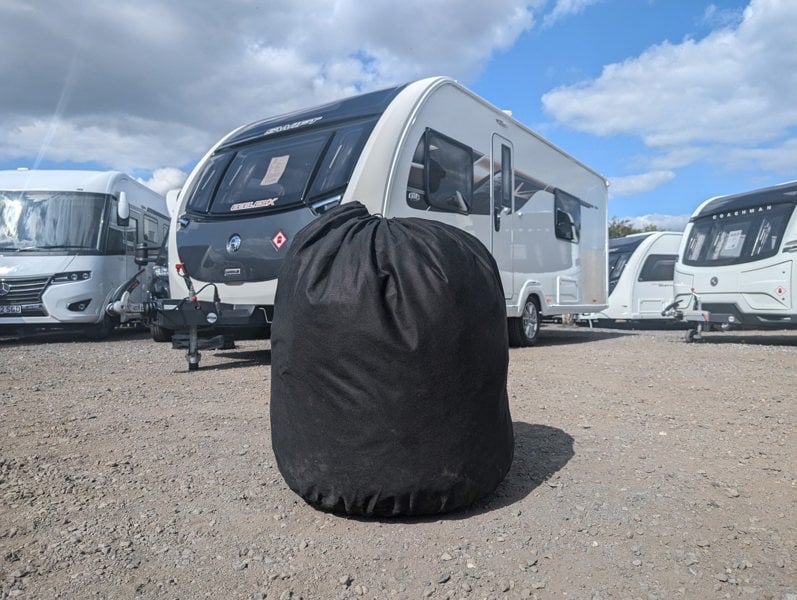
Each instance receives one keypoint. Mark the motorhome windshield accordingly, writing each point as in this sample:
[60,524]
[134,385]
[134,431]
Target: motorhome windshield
[51,221]
[741,236]
[279,172]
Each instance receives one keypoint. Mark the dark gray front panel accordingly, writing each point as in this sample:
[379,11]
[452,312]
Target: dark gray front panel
[204,245]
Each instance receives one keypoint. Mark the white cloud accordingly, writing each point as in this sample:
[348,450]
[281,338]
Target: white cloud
[681,156]
[637,184]
[124,143]
[716,17]
[780,159]
[566,8]
[165,179]
[142,84]
[662,222]
[719,97]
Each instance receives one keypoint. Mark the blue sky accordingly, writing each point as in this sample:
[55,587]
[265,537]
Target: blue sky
[673,101]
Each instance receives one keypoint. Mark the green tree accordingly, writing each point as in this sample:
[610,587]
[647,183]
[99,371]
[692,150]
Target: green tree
[622,227]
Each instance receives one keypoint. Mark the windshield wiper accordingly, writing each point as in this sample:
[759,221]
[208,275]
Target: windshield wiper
[44,248]
[56,247]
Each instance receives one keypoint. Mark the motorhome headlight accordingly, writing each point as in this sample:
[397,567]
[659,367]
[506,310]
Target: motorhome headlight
[71,276]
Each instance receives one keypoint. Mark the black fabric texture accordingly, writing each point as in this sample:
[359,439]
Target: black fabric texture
[389,366]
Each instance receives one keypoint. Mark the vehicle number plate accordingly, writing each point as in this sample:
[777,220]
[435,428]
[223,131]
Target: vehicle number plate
[10,309]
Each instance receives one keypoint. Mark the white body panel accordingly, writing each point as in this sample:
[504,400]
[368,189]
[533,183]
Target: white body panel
[640,295]
[755,293]
[565,277]
[108,271]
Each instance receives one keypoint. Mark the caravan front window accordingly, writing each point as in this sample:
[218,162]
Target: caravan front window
[51,221]
[268,175]
[620,251]
[279,172]
[742,236]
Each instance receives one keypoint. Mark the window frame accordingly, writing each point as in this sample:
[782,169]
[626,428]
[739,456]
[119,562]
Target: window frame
[711,233]
[437,199]
[567,205]
[324,175]
[651,266]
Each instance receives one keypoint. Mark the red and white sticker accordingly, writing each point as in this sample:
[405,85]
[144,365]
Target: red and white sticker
[279,240]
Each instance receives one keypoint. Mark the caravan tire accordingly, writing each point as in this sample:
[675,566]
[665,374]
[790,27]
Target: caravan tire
[103,329]
[160,334]
[523,330]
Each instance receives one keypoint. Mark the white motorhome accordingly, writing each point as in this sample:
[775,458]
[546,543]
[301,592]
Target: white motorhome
[641,269]
[428,149]
[737,265]
[67,242]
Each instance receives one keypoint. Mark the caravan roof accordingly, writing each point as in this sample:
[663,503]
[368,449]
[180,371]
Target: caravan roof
[785,193]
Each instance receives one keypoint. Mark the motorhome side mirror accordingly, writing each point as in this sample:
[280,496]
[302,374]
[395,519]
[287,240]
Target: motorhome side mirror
[141,255]
[123,211]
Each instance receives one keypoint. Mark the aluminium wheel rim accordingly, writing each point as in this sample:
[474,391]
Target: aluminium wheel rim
[530,322]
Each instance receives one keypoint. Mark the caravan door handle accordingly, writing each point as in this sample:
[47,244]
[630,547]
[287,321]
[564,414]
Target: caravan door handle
[498,213]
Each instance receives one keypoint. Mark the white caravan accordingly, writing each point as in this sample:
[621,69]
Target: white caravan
[428,149]
[641,269]
[67,242]
[737,264]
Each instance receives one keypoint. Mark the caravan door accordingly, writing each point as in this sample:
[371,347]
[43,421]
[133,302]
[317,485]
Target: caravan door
[502,210]
[653,288]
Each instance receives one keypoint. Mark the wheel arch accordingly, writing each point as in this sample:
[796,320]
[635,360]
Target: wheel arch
[530,289]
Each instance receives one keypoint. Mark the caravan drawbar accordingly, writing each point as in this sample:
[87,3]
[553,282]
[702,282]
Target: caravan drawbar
[429,149]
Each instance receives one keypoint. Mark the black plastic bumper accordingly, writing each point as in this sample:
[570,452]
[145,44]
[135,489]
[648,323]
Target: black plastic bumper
[182,314]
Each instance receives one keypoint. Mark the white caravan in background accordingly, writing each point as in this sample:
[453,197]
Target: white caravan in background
[428,149]
[641,269]
[67,243]
[737,264]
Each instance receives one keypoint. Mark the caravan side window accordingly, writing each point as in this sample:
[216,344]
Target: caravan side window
[115,244]
[151,230]
[441,175]
[567,216]
[131,232]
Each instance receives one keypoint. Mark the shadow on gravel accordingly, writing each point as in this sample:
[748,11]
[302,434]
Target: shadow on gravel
[758,339]
[240,358]
[561,336]
[540,451]
[69,337]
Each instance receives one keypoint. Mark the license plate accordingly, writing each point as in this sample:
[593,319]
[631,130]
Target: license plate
[10,309]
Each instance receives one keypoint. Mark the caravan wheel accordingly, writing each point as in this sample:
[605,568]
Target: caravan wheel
[160,334]
[103,329]
[523,330]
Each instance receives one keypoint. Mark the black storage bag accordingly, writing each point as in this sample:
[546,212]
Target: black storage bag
[389,366]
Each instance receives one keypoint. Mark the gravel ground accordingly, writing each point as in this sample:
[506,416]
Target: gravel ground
[645,467]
